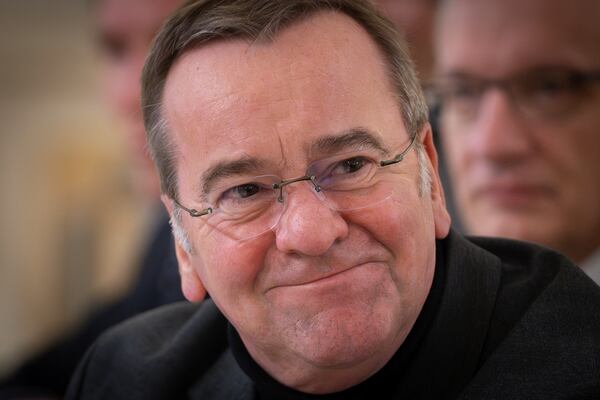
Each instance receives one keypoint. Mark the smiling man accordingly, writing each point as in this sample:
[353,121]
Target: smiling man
[299,171]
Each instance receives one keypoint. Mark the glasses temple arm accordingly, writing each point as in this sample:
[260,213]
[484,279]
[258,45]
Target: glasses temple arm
[193,212]
[400,156]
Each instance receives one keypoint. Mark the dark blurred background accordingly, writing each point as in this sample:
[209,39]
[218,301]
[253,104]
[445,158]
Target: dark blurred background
[70,218]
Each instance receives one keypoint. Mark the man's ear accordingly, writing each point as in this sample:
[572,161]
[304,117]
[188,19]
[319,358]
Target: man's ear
[191,285]
[441,217]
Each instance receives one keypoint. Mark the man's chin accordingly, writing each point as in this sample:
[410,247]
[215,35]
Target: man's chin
[344,332]
[522,225]
[342,337]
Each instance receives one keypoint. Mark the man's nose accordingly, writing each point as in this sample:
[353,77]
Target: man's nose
[308,226]
[500,133]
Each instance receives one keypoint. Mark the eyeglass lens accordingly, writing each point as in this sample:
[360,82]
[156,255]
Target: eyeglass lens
[347,182]
[547,92]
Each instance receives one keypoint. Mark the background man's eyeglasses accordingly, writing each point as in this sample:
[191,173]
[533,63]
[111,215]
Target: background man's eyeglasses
[540,93]
[245,208]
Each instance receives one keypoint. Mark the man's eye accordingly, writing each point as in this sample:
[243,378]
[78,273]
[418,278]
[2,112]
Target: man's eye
[347,174]
[551,85]
[351,165]
[464,91]
[244,199]
[240,192]
[114,47]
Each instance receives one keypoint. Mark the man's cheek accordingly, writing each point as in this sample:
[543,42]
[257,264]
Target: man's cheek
[234,264]
[384,222]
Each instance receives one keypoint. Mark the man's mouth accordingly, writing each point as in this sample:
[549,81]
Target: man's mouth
[513,195]
[319,277]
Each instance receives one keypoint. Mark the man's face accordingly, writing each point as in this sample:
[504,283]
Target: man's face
[527,166]
[125,29]
[323,289]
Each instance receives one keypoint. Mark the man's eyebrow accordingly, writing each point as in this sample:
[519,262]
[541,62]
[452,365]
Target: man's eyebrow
[225,169]
[347,140]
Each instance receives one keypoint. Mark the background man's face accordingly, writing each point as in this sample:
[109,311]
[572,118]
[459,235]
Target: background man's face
[125,29]
[323,289]
[528,177]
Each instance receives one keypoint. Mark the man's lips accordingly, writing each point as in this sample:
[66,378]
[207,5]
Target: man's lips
[512,194]
[314,277]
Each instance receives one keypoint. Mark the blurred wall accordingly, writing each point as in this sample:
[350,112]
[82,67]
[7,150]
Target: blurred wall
[70,223]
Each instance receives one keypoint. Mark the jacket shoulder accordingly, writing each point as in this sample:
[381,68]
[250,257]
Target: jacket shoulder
[154,355]
[544,337]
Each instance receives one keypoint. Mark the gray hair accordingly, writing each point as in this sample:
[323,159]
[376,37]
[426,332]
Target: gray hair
[179,232]
[203,21]
[425,177]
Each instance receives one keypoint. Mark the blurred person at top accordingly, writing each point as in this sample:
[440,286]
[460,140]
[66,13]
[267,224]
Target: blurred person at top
[415,19]
[124,29]
[519,86]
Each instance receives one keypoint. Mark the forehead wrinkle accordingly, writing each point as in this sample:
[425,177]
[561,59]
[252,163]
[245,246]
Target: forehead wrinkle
[353,138]
[282,162]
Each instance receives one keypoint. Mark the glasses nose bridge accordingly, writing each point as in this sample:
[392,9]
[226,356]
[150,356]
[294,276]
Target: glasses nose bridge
[280,185]
[504,87]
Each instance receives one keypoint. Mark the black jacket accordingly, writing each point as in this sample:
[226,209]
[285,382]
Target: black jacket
[513,321]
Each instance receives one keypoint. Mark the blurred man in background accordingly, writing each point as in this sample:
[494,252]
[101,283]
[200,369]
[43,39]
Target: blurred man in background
[124,29]
[520,91]
[415,20]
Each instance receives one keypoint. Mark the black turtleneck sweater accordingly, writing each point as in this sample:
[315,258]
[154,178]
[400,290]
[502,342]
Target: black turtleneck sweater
[503,320]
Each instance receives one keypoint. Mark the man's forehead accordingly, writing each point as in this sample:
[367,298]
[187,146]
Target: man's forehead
[574,14]
[250,80]
[513,34]
[299,46]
